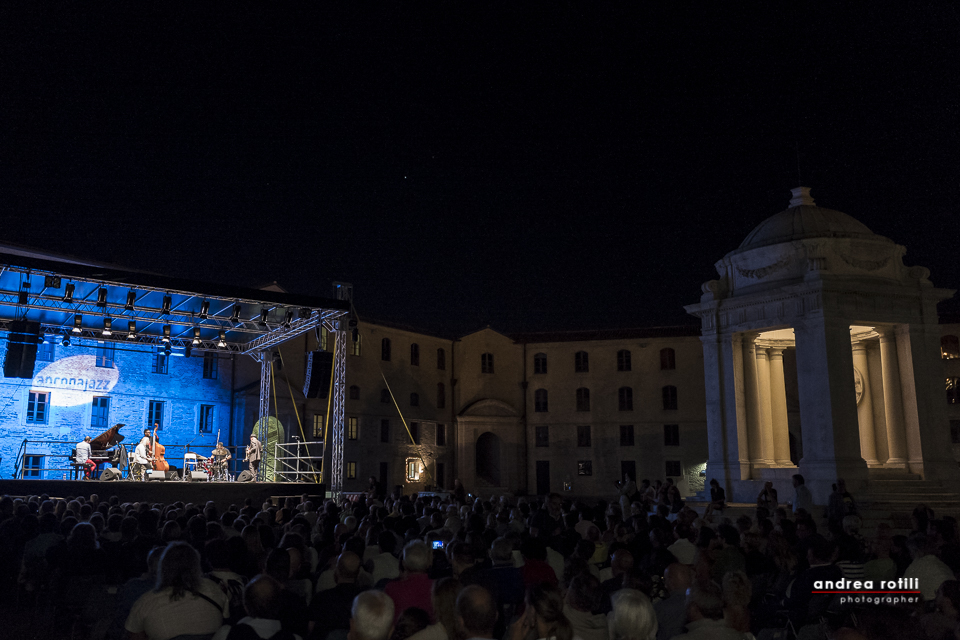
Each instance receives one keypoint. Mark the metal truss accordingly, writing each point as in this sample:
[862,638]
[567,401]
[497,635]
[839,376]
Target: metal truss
[264,408]
[339,382]
[294,329]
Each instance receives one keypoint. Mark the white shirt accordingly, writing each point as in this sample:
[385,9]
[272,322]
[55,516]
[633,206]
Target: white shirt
[161,618]
[140,453]
[83,452]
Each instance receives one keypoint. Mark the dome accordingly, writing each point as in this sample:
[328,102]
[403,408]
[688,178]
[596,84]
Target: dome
[804,219]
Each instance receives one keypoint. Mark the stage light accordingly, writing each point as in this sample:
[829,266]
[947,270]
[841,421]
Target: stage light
[288,318]
[66,341]
[102,297]
[236,313]
[51,282]
[166,334]
[222,340]
[131,299]
[131,330]
[77,323]
[167,350]
[304,313]
[196,335]
[165,309]
[204,309]
[264,312]
[68,293]
[24,293]
[107,327]
[43,339]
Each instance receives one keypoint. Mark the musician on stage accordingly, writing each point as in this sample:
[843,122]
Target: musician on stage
[254,453]
[141,460]
[220,456]
[84,453]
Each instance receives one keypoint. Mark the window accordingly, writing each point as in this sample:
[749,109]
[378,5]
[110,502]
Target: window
[583,399]
[623,360]
[540,401]
[486,363]
[32,466]
[441,395]
[159,363]
[441,435]
[581,362]
[543,436]
[415,432]
[414,468]
[384,430]
[45,351]
[668,359]
[105,354]
[626,435]
[671,435]
[355,344]
[949,347]
[540,363]
[384,395]
[354,392]
[414,399]
[415,355]
[385,349]
[351,471]
[583,436]
[625,398]
[317,426]
[670,398]
[441,360]
[100,413]
[211,363]
[38,407]
[205,424]
[352,428]
[585,467]
[673,469]
[440,475]
[953,390]
[155,413]
[955,431]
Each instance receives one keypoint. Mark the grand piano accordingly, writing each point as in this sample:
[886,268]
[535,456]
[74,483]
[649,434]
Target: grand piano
[108,447]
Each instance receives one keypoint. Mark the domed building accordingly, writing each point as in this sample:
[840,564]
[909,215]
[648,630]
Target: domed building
[821,357]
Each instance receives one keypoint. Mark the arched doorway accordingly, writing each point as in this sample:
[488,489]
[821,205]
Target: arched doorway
[488,458]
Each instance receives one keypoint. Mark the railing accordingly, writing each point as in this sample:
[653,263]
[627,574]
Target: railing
[293,463]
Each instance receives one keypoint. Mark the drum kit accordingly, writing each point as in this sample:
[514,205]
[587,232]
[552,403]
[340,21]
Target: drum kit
[216,469]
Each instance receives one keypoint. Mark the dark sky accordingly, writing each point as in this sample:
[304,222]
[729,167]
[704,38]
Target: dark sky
[528,165]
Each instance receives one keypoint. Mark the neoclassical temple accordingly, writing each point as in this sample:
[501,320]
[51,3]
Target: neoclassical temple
[815,310]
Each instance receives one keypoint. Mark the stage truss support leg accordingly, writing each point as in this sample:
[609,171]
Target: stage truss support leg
[264,408]
[339,380]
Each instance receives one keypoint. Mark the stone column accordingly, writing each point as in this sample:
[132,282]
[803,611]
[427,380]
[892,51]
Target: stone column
[868,443]
[766,410]
[726,427]
[892,398]
[751,391]
[778,409]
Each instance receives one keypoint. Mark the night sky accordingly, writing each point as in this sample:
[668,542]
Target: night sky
[531,166]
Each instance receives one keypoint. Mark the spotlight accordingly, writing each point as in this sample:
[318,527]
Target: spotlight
[68,293]
[107,327]
[167,350]
[51,282]
[264,312]
[204,309]
[131,330]
[288,318]
[43,339]
[196,336]
[77,323]
[222,340]
[131,298]
[165,309]
[236,313]
[66,341]
[304,313]
[166,334]
[102,297]
[24,293]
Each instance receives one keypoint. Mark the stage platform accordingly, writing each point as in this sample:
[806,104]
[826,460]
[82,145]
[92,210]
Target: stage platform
[222,493]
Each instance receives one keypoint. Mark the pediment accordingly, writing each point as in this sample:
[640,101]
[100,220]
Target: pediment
[490,408]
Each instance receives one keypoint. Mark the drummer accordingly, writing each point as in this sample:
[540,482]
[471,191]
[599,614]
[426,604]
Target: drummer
[220,455]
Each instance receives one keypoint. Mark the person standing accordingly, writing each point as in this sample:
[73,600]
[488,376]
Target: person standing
[254,453]
[84,452]
[141,459]
[803,499]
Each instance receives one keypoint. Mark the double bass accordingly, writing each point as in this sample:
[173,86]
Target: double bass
[159,463]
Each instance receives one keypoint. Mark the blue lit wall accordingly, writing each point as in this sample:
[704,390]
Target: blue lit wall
[72,380]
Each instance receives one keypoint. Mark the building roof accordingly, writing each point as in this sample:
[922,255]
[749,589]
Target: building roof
[679,331]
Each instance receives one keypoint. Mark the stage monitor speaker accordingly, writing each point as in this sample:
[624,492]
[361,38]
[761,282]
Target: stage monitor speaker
[21,353]
[156,475]
[245,476]
[111,474]
[319,365]
[173,474]
[196,476]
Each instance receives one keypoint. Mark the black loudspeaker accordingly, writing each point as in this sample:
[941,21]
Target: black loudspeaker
[319,365]
[245,476]
[197,476]
[173,474]
[111,474]
[21,349]
[156,475]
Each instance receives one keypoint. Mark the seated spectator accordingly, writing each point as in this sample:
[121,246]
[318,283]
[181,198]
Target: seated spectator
[671,611]
[476,612]
[411,621]
[330,609]
[443,595]
[412,588]
[582,606]
[737,592]
[261,599]
[804,606]
[633,617]
[371,616]
[926,566]
[543,615]
[705,615]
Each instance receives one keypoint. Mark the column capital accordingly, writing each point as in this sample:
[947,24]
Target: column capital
[775,352]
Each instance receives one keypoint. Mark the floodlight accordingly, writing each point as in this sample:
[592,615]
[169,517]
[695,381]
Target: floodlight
[102,297]
[264,312]
[165,309]
[196,335]
[131,298]
[68,293]
[204,309]
[222,340]
[236,313]
[107,327]
[77,323]
[166,333]
[131,330]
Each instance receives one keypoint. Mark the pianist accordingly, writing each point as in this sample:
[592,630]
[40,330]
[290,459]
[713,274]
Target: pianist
[84,454]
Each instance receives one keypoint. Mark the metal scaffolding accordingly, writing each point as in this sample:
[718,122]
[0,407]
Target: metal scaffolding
[339,380]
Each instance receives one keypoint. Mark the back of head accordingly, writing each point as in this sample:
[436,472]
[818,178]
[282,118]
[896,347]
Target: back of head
[677,578]
[501,551]
[584,593]
[707,599]
[278,564]
[179,569]
[477,611]
[371,616]
[412,620]
[262,598]
[348,567]
[417,557]
[633,617]
[547,601]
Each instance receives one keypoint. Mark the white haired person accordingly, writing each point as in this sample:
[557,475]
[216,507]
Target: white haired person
[633,617]
[183,602]
[371,617]
[413,587]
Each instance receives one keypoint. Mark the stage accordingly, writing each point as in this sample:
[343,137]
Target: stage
[222,493]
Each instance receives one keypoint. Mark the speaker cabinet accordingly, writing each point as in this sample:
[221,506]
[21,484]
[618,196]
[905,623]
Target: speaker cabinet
[21,353]
[111,474]
[197,476]
[319,368]
[156,475]
[245,476]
